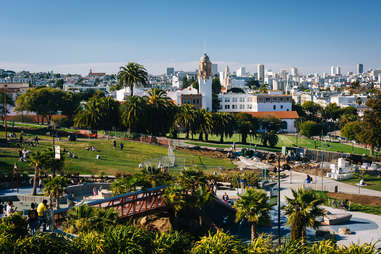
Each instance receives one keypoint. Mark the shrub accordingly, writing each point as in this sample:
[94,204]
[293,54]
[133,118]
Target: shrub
[14,227]
[45,243]
[172,243]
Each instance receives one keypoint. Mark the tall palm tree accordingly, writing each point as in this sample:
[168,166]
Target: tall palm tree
[134,113]
[185,118]
[36,161]
[254,207]
[89,116]
[223,125]
[205,123]
[302,211]
[161,109]
[55,188]
[132,74]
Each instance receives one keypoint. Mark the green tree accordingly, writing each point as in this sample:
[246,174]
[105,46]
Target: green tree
[98,113]
[130,75]
[302,210]
[8,100]
[270,126]
[263,88]
[253,206]
[351,130]
[309,129]
[59,83]
[246,125]
[216,89]
[161,111]
[205,123]
[185,118]
[134,114]
[223,125]
[37,161]
[252,83]
[332,112]
[312,110]
[55,188]
[371,131]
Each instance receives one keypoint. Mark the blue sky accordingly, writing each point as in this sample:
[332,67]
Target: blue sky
[73,36]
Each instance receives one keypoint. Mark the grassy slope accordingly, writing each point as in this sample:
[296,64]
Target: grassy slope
[112,160]
[373,183]
[284,140]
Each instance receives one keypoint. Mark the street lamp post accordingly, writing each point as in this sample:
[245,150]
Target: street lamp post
[250,139]
[279,234]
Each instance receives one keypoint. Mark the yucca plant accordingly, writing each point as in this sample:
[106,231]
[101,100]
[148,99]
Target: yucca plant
[172,243]
[365,248]
[324,247]
[262,244]
[219,243]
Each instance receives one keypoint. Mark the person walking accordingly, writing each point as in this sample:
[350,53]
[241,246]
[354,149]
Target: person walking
[42,214]
[9,209]
[121,145]
[114,144]
[32,218]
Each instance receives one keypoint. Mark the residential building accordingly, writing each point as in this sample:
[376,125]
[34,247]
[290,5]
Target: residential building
[261,72]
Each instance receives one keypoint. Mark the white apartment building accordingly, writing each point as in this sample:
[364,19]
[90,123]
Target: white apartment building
[346,100]
[243,102]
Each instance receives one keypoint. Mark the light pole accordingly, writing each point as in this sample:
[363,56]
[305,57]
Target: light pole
[279,235]
[250,138]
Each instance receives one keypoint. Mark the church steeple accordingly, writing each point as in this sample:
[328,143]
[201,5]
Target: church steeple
[205,67]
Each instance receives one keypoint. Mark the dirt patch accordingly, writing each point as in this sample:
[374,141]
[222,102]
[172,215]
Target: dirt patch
[360,199]
[212,154]
[313,170]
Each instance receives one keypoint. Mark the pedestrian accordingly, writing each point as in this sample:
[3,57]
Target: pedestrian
[1,211]
[9,209]
[40,183]
[114,143]
[121,145]
[95,191]
[308,179]
[225,197]
[42,214]
[32,218]
[21,139]
[36,140]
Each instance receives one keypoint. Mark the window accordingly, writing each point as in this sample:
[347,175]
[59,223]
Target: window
[241,106]
[241,99]
[274,107]
[227,106]
[249,106]
[249,99]
[234,106]
[281,106]
[227,99]
[288,98]
[234,99]
[281,99]
[267,99]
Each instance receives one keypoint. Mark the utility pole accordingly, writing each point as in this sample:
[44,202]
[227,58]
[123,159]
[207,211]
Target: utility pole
[279,235]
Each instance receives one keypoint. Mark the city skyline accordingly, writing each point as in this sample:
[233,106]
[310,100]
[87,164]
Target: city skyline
[74,37]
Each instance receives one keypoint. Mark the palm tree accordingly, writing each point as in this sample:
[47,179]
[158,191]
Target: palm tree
[134,113]
[254,207]
[132,74]
[55,188]
[89,116]
[205,123]
[97,113]
[36,161]
[223,125]
[185,118]
[302,211]
[161,109]
[358,101]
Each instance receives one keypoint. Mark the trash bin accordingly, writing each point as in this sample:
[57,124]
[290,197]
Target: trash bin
[336,189]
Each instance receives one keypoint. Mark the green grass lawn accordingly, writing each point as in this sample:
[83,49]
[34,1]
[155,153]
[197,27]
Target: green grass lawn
[284,140]
[113,160]
[372,182]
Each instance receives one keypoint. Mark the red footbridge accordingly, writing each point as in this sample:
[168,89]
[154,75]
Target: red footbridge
[128,205]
